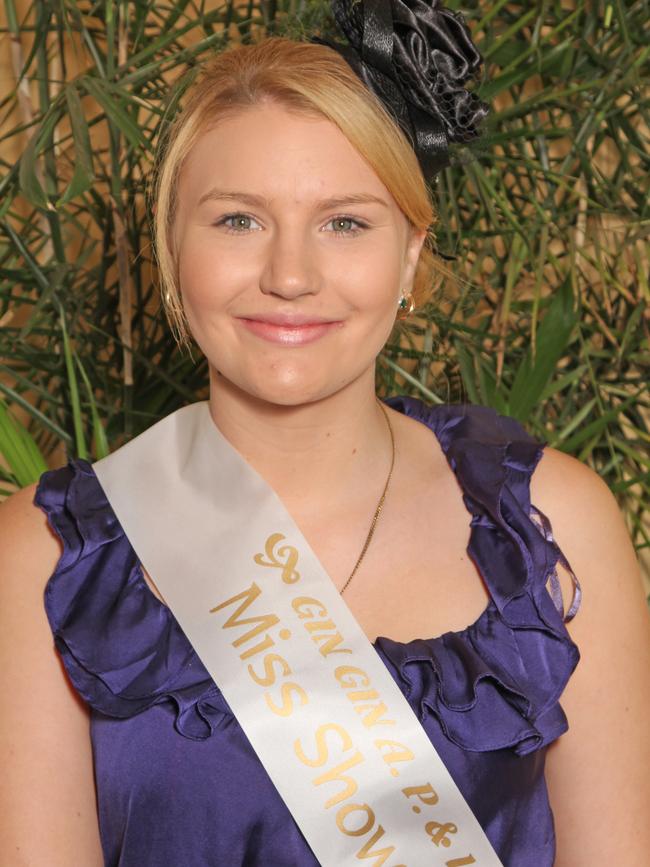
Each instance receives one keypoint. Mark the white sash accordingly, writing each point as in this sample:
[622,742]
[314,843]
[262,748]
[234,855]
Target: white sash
[321,710]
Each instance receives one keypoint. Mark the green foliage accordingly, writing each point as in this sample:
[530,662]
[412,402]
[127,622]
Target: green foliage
[546,319]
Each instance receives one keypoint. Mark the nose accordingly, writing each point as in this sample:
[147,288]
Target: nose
[289,268]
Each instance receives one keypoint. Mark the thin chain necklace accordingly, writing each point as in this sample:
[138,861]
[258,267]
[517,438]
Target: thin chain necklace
[381,499]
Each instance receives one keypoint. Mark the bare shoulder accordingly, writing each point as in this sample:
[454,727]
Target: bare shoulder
[565,483]
[24,529]
[586,518]
[29,552]
[47,798]
[18,506]
[607,698]
[591,531]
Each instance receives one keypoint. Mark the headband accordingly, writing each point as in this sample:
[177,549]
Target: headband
[415,56]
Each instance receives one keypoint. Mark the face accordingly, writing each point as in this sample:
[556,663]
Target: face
[290,296]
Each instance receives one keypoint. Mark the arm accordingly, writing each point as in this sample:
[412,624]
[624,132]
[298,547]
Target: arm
[598,772]
[48,814]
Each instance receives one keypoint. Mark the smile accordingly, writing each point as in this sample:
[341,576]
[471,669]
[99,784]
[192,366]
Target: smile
[289,335]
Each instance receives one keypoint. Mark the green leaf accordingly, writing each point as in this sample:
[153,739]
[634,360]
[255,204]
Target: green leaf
[577,420]
[77,420]
[467,372]
[99,433]
[596,427]
[19,449]
[28,171]
[412,380]
[553,337]
[42,419]
[83,176]
[115,112]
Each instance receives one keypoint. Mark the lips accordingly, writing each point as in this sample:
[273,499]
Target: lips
[289,329]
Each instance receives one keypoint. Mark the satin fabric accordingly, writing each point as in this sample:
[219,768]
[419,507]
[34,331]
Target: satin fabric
[416,58]
[177,781]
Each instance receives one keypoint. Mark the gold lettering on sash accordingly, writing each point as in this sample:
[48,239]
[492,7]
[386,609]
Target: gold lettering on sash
[300,604]
[345,811]
[321,743]
[397,753]
[338,772]
[426,794]
[373,714]
[284,558]
[438,832]
[363,695]
[355,681]
[350,676]
[366,850]
[249,595]
[269,678]
[328,643]
[287,707]
[258,648]
[263,621]
[327,625]
[344,672]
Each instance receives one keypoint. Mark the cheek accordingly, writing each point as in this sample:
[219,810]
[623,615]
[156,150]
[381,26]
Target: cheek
[373,274]
[209,282]
[374,290]
[198,273]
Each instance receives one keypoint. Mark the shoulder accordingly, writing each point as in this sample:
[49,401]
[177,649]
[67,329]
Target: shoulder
[45,749]
[564,479]
[29,552]
[17,506]
[609,692]
[587,522]
[24,530]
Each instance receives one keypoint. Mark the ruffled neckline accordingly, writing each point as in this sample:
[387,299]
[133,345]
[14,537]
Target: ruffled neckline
[492,685]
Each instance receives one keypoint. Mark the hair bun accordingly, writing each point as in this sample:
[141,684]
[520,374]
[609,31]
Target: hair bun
[416,57]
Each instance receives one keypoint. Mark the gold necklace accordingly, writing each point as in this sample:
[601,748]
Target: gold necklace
[381,499]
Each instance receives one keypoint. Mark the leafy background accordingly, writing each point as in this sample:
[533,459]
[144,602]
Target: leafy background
[545,312]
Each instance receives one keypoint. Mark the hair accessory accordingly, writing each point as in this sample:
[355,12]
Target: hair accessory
[406,305]
[415,56]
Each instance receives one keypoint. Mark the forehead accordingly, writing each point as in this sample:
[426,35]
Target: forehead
[280,154]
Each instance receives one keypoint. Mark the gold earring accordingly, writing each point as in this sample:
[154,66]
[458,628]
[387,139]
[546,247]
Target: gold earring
[405,305]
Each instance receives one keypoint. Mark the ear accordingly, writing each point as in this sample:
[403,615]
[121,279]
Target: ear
[415,241]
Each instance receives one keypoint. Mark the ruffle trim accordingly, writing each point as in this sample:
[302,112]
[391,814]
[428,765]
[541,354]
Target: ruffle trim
[122,648]
[125,652]
[511,665]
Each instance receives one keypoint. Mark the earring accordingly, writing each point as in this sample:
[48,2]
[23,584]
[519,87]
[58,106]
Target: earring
[405,305]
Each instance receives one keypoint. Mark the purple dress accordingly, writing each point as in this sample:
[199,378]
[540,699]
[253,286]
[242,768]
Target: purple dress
[178,783]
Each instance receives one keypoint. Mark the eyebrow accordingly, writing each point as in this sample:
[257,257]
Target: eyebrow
[333,202]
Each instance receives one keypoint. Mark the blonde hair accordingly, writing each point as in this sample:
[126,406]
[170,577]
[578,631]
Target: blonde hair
[309,79]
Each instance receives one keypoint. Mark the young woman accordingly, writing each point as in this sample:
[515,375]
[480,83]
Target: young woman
[292,219]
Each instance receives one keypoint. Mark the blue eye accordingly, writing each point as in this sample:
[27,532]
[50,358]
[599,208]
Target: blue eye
[349,220]
[239,218]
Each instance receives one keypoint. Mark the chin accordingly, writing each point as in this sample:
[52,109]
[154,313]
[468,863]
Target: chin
[288,388]
[290,394]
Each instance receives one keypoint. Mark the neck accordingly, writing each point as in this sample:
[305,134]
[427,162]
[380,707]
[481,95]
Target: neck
[310,453]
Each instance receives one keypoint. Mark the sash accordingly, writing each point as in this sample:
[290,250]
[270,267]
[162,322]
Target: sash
[333,730]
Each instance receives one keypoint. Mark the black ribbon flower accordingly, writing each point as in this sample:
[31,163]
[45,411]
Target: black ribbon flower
[416,57]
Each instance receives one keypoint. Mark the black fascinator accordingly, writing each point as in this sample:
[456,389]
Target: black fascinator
[416,57]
